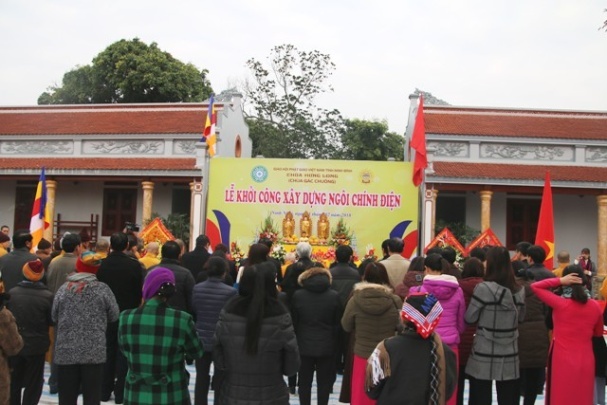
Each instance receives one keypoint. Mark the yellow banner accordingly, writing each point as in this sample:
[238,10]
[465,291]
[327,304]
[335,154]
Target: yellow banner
[324,202]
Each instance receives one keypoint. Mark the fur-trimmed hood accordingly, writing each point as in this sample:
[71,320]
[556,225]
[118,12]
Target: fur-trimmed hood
[374,299]
[316,279]
[363,285]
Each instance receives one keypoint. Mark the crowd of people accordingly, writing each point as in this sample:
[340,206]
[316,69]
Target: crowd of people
[123,323]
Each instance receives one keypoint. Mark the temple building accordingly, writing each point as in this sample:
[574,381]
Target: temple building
[487,169]
[114,163]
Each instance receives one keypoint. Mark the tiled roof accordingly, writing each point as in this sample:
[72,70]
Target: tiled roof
[104,119]
[117,164]
[462,170]
[515,123]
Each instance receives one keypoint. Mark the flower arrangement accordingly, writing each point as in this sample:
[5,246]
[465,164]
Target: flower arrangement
[236,253]
[268,230]
[328,255]
[370,253]
[278,252]
[341,234]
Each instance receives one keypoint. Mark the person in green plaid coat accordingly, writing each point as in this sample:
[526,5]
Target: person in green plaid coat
[157,342]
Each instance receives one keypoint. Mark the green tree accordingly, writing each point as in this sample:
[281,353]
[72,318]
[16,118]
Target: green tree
[370,140]
[130,71]
[284,120]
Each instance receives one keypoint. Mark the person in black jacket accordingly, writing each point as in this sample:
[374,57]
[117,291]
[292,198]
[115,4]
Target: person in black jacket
[31,303]
[316,311]
[208,299]
[290,284]
[12,263]
[344,278]
[124,275]
[536,270]
[255,342]
[184,281]
[195,260]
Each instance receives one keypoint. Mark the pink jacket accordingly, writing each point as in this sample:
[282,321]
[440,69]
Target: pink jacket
[448,292]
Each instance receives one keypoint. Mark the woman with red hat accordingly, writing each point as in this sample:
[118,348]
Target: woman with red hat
[82,308]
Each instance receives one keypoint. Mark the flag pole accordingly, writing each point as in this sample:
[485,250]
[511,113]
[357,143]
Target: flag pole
[418,142]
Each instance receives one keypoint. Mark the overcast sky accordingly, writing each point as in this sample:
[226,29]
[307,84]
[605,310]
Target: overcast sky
[517,53]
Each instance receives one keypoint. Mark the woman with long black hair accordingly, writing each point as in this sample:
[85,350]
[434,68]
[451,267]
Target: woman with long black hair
[576,320]
[255,342]
[497,306]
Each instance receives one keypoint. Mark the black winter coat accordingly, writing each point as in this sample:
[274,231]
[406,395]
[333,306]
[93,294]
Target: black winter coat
[184,285]
[316,312]
[11,266]
[124,275]
[344,278]
[255,379]
[208,299]
[195,260]
[289,283]
[533,340]
[31,305]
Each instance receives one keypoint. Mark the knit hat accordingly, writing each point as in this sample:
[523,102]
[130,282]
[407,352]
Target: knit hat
[33,271]
[424,311]
[88,262]
[4,238]
[155,279]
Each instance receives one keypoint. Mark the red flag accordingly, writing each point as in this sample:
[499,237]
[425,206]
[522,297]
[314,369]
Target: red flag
[545,225]
[418,142]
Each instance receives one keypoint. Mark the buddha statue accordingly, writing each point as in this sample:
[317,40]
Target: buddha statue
[323,227]
[305,225]
[288,225]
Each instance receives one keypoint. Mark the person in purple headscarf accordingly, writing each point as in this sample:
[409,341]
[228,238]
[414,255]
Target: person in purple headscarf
[157,341]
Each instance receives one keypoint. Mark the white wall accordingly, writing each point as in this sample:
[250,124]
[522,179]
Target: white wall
[77,201]
[575,220]
[575,223]
[162,201]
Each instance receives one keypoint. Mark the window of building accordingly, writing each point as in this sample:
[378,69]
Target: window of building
[450,209]
[24,202]
[181,200]
[521,221]
[119,207]
[238,148]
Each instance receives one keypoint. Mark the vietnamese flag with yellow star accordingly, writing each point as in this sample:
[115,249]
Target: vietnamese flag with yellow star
[545,225]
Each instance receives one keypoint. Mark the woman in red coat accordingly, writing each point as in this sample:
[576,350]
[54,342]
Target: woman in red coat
[576,319]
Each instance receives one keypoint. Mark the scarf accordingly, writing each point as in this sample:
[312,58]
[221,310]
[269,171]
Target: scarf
[438,372]
[568,292]
[378,369]
[78,282]
[378,366]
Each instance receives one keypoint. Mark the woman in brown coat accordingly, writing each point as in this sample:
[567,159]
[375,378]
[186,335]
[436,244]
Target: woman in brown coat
[373,313]
[10,344]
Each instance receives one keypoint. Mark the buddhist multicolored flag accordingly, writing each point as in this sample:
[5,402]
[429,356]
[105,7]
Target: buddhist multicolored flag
[40,215]
[418,142]
[545,225]
[209,135]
